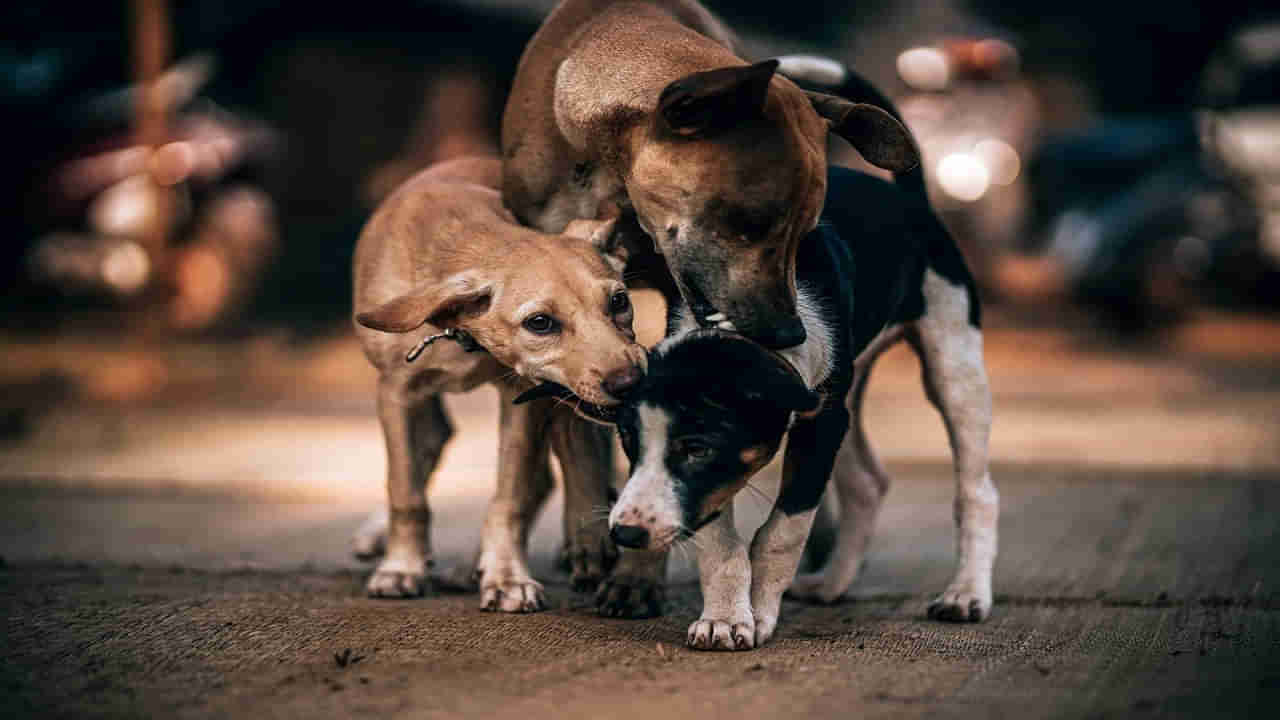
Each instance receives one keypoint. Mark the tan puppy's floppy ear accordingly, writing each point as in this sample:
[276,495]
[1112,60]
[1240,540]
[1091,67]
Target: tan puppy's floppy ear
[706,102]
[442,303]
[874,133]
[606,235]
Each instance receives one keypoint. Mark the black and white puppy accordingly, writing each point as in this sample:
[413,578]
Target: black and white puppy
[714,408]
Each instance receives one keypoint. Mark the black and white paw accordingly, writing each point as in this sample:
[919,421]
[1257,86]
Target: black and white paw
[722,634]
[631,596]
[961,603]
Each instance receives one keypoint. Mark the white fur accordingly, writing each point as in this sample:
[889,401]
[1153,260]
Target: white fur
[812,358]
[775,556]
[650,491]
[724,572]
[370,539]
[951,351]
[812,68]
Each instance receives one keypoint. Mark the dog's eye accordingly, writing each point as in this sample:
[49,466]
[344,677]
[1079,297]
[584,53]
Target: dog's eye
[694,450]
[541,324]
[619,303]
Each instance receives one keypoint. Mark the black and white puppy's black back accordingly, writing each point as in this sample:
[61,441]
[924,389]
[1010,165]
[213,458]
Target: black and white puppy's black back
[714,408]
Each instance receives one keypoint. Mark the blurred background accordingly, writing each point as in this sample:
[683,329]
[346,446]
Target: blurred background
[186,182]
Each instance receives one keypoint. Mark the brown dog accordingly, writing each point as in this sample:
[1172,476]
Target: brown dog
[442,253]
[643,105]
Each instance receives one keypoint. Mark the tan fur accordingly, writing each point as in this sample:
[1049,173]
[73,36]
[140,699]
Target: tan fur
[443,235]
[585,97]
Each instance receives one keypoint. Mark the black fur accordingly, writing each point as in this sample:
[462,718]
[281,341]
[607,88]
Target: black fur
[865,265]
[726,412]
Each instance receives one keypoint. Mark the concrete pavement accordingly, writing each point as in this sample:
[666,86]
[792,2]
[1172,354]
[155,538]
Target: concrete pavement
[165,557]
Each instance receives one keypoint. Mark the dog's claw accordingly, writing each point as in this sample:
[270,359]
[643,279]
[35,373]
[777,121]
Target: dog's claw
[591,558]
[627,596]
[707,634]
[960,605]
[391,584]
[513,596]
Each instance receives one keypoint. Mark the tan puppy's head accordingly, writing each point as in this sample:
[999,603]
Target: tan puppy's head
[554,309]
[730,174]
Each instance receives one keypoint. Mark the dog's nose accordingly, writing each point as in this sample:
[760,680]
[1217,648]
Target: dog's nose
[632,536]
[618,383]
[781,337]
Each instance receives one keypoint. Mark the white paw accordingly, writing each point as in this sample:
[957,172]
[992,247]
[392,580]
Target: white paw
[813,588]
[513,594]
[962,603]
[716,634]
[765,626]
[399,577]
[370,539]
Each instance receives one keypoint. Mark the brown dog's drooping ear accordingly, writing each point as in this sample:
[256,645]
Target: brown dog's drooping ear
[618,238]
[442,303]
[706,102]
[874,133]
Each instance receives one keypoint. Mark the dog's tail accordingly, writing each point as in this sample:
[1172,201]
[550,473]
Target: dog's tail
[833,77]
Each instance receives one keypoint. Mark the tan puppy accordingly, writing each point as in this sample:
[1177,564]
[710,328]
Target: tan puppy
[442,253]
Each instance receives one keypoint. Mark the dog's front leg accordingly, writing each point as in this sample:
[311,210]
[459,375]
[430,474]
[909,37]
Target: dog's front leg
[779,544]
[523,483]
[416,430]
[637,586]
[724,571]
[585,451]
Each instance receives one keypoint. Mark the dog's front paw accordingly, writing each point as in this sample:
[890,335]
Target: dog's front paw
[961,603]
[814,588]
[591,556]
[722,634]
[399,577]
[630,596]
[765,627]
[511,593]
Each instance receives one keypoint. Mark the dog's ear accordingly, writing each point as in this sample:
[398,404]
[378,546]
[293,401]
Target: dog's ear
[706,102]
[770,379]
[785,389]
[874,133]
[606,236]
[444,304]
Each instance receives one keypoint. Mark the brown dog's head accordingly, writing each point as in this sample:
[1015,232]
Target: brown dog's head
[554,310]
[731,174]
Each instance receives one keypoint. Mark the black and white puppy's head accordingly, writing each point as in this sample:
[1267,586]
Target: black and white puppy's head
[710,413]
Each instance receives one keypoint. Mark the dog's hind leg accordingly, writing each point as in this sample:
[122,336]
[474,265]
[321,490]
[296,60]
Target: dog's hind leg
[524,482]
[955,379]
[822,536]
[860,482]
[416,429]
[585,451]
